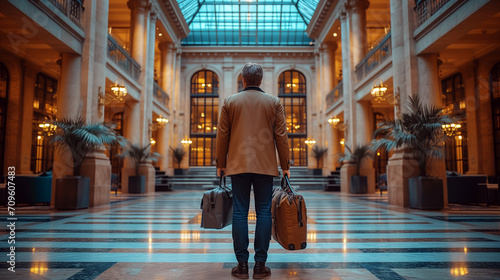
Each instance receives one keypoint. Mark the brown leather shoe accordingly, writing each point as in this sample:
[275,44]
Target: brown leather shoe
[240,271]
[260,270]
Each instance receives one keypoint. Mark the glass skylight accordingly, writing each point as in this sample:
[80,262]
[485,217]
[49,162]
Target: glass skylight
[247,22]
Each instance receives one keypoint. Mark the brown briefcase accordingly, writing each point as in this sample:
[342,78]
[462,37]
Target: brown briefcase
[289,217]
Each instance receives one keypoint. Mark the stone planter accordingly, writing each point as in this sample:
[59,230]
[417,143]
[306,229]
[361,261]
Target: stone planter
[137,184]
[426,193]
[359,184]
[72,193]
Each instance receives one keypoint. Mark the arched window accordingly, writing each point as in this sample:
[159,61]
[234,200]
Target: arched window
[204,117]
[454,102]
[292,93]
[4,97]
[495,110]
[44,108]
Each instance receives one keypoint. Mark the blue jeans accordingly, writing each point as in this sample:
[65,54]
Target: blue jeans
[263,192]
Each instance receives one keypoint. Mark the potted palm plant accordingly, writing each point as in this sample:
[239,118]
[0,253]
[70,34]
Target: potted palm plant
[138,154]
[359,184]
[76,137]
[418,130]
[179,154]
[318,152]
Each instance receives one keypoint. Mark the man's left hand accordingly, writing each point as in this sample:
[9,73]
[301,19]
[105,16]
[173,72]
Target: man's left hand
[221,171]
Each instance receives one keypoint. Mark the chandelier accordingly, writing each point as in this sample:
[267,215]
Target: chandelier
[186,141]
[334,121]
[378,92]
[162,121]
[119,91]
[48,127]
[310,142]
[451,129]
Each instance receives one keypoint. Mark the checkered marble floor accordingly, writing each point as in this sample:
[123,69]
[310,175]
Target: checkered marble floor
[158,237]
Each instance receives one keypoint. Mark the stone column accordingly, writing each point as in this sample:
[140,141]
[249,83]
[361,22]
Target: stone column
[138,23]
[227,83]
[401,165]
[430,95]
[346,71]
[364,130]
[26,125]
[357,15]
[167,66]
[163,144]
[428,79]
[472,108]
[131,131]
[268,83]
[328,66]
[68,106]
[100,55]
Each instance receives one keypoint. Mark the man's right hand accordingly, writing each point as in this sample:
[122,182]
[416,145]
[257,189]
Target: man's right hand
[286,172]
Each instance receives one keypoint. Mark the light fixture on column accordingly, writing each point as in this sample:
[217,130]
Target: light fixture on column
[162,121]
[119,91]
[451,129]
[342,141]
[378,92]
[334,121]
[152,141]
[186,141]
[310,142]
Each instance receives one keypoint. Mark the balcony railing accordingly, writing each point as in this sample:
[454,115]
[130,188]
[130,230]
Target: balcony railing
[424,9]
[375,57]
[335,95]
[73,9]
[161,96]
[121,57]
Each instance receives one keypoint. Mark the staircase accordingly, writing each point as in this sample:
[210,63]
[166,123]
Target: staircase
[333,181]
[206,177]
[162,181]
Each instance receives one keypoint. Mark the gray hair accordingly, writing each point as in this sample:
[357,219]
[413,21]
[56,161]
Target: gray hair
[252,74]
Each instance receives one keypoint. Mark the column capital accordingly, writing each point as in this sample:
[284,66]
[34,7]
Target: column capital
[153,13]
[329,47]
[140,5]
[164,45]
[358,5]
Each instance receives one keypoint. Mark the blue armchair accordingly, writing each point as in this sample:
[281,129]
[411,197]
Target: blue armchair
[33,189]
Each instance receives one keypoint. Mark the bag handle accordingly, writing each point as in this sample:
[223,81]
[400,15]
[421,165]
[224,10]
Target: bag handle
[224,187]
[285,185]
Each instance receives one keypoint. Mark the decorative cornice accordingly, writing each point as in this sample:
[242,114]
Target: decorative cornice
[235,51]
[321,15]
[175,18]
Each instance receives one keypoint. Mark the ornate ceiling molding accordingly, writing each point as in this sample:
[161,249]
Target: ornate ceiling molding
[174,17]
[323,12]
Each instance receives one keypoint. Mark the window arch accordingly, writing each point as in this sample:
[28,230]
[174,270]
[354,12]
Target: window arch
[292,93]
[495,111]
[204,117]
[4,99]
[44,107]
[453,98]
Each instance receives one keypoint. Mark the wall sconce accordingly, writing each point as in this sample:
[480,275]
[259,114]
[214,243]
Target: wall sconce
[342,141]
[101,99]
[310,142]
[162,121]
[334,121]
[152,141]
